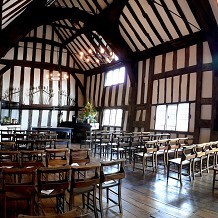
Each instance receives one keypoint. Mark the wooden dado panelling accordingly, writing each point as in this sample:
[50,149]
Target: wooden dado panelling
[181,76]
[102,97]
[41,45]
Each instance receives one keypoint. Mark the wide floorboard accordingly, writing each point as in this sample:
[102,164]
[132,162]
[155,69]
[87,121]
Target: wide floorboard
[152,196]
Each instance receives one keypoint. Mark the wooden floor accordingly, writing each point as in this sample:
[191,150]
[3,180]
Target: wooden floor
[151,196]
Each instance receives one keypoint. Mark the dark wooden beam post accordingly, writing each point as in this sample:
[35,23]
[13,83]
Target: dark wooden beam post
[132,71]
[204,16]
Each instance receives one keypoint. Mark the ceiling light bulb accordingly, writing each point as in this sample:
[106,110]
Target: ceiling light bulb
[87,59]
[102,50]
[97,61]
[90,51]
[81,53]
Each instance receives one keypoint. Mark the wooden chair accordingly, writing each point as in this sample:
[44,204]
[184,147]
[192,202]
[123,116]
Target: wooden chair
[162,150]
[84,180]
[19,185]
[9,159]
[198,165]
[53,183]
[109,180]
[79,156]
[56,157]
[70,214]
[25,144]
[34,158]
[43,143]
[61,143]
[176,165]
[7,145]
[147,153]
[7,136]
[215,179]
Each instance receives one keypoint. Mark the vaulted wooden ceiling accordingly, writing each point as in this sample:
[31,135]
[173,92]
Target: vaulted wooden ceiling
[132,29]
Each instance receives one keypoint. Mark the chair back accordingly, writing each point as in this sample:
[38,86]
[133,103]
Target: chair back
[188,153]
[19,180]
[9,159]
[32,158]
[84,176]
[112,170]
[80,156]
[7,145]
[56,157]
[53,178]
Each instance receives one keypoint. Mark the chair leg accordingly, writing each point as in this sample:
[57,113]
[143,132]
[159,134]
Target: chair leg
[119,197]
[100,201]
[168,170]
[214,178]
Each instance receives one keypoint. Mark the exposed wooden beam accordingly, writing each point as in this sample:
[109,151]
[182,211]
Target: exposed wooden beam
[30,19]
[47,66]
[170,46]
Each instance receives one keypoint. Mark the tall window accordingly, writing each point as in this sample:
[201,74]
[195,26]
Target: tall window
[172,117]
[114,77]
[112,117]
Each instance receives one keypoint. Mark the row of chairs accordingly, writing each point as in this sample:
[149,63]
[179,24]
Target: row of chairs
[195,158]
[118,142]
[79,181]
[150,151]
[36,144]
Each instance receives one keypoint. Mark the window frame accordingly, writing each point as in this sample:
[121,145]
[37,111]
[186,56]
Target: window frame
[169,111]
[119,71]
[118,112]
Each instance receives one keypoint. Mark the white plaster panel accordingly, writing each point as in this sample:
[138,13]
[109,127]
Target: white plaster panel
[161,90]
[176,89]
[168,90]
[169,61]
[146,80]
[181,58]
[30,51]
[207,58]
[154,96]
[106,96]
[206,112]
[113,96]
[152,121]
[158,64]
[140,81]
[184,87]
[119,97]
[192,87]
[138,112]
[207,84]
[143,115]
[127,91]
[192,55]
[204,135]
